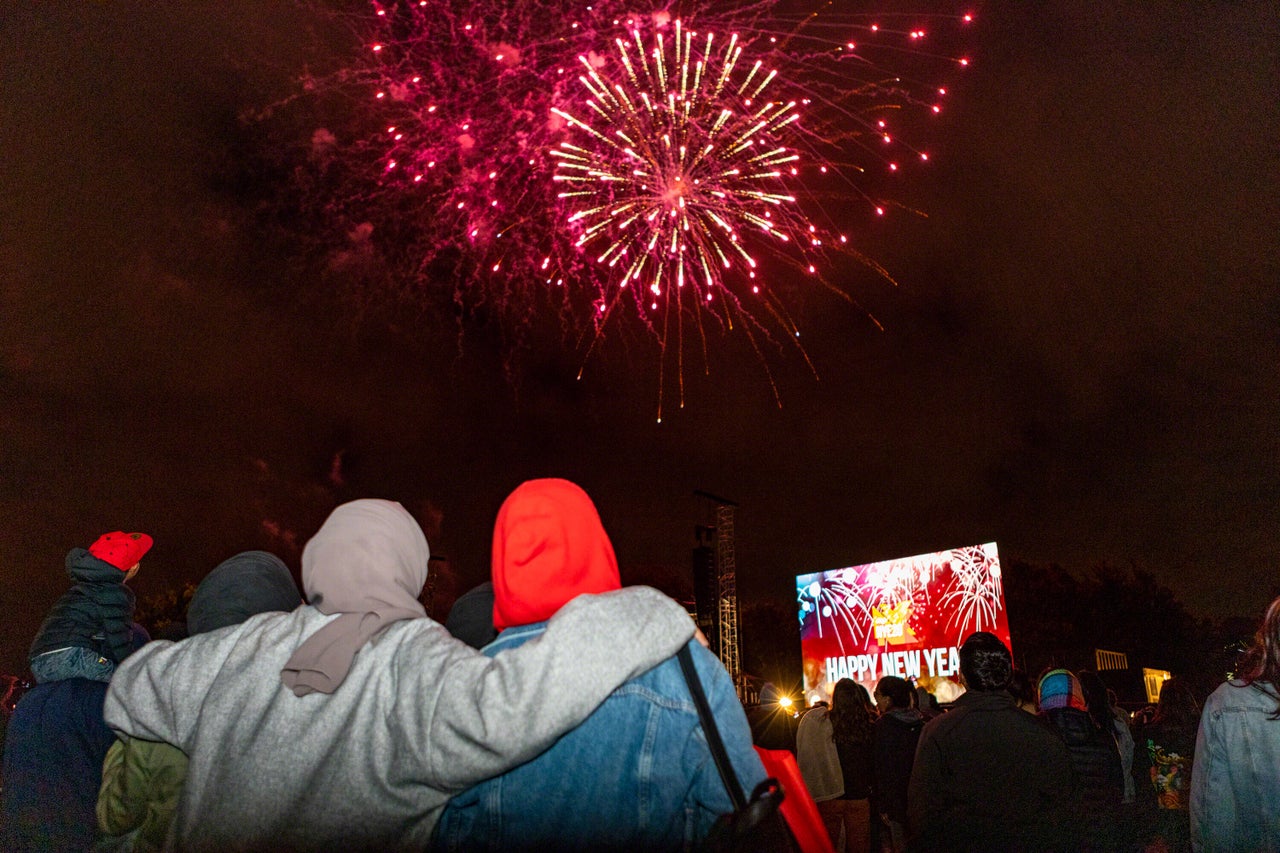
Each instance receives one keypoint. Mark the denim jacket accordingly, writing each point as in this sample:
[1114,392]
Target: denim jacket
[1235,780]
[637,774]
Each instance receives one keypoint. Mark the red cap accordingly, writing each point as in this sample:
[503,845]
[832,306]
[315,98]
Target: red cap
[548,547]
[120,549]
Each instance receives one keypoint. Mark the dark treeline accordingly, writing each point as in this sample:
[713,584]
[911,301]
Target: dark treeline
[1059,618]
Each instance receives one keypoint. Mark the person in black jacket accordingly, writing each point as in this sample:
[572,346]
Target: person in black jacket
[89,630]
[1095,759]
[988,777]
[893,745]
[851,733]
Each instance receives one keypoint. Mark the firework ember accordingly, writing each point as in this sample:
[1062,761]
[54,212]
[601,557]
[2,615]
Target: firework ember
[608,166]
[683,159]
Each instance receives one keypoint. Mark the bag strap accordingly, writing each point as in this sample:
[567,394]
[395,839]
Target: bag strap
[716,745]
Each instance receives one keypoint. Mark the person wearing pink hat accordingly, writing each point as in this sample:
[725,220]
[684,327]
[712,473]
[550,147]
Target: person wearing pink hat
[90,628]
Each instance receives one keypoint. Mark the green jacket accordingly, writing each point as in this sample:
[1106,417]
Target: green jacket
[141,783]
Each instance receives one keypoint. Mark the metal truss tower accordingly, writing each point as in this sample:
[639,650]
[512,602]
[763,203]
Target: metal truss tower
[727,590]
[726,569]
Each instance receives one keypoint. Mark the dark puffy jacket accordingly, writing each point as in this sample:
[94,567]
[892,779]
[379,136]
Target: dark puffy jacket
[1094,757]
[53,767]
[96,613]
[894,746]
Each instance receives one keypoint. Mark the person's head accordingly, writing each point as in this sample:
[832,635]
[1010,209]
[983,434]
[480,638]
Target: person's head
[367,563]
[122,550]
[892,693]
[1095,698]
[366,551]
[850,717]
[1177,707]
[245,585]
[1059,688]
[471,617]
[926,702]
[548,548]
[1262,661]
[985,663]
[846,695]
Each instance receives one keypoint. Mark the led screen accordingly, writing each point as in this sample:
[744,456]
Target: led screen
[898,617]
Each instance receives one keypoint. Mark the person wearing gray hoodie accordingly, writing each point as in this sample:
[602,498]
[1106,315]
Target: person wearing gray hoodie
[350,722]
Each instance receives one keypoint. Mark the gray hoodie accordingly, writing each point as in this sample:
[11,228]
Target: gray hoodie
[419,717]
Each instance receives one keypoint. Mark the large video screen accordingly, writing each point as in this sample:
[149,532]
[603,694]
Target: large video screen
[903,617]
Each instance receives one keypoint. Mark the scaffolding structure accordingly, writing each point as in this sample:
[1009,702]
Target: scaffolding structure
[726,570]
[717,598]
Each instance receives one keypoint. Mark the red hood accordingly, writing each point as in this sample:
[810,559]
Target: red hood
[548,547]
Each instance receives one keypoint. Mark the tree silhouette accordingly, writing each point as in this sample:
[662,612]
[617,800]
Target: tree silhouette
[164,614]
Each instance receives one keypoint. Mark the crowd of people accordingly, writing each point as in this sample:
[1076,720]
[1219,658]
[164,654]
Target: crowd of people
[556,710]
[1050,765]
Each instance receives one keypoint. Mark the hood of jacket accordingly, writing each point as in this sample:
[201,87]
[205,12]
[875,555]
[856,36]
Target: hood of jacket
[245,585]
[548,548]
[83,567]
[908,718]
[1059,688]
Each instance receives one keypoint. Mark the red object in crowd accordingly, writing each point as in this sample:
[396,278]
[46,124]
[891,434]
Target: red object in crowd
[120,549]
[798,808]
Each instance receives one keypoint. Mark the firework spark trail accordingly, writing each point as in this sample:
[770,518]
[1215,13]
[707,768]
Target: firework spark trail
[892,582]
[548,155]
[850,606]
[679,160]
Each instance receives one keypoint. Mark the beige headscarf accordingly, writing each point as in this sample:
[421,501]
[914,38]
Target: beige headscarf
[368,561]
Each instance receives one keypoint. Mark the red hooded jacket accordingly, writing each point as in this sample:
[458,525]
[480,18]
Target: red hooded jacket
[548,547]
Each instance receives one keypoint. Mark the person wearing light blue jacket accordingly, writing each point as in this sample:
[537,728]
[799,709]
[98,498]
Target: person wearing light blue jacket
[637,774]
[1235,781]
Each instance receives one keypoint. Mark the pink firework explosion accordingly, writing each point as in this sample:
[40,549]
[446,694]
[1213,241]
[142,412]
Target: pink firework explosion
[682,159]
[613,166]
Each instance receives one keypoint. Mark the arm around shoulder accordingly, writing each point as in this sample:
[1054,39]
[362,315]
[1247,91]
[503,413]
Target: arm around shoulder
[156,693]
[491,714]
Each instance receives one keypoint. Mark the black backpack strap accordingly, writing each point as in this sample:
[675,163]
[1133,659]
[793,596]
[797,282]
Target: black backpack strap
[716,745]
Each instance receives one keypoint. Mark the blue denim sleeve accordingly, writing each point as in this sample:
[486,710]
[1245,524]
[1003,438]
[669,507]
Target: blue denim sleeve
[731,721]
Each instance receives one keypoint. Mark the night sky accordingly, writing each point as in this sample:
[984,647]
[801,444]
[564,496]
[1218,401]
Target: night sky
[1079,361]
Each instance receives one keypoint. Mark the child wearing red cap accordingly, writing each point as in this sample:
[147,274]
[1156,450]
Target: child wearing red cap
[90,628]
